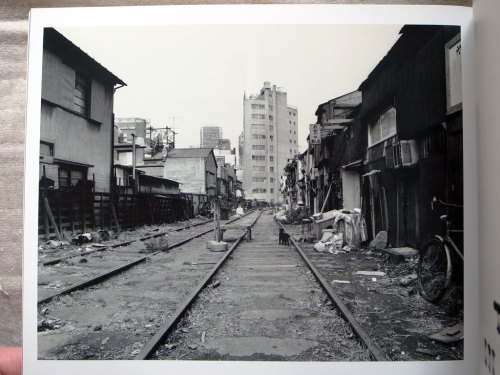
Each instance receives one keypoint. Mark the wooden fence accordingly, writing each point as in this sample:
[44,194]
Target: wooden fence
[66,211]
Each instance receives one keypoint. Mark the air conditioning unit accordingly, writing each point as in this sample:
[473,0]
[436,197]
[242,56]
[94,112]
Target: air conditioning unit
[401,154]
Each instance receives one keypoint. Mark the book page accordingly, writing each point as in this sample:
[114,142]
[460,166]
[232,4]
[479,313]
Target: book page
[116,94]
[488,76]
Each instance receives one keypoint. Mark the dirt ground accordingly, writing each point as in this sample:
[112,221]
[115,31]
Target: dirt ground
[395,316]
[265,305]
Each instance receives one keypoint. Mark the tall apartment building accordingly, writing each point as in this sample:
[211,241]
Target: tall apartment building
[270,137]
[210,136]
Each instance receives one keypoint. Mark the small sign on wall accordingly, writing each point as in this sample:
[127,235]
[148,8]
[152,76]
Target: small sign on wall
[453,56]
[315,134]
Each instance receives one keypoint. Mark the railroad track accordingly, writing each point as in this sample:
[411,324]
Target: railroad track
[55,261]
[132,258]
[262,301]
[69,324]
[283,294]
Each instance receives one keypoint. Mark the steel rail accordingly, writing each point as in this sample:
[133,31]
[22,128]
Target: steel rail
[117,270]
[120,244]
[375,351]
[166,328]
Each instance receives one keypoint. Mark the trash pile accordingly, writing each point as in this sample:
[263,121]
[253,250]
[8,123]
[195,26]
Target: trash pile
[340,231]
[288,215]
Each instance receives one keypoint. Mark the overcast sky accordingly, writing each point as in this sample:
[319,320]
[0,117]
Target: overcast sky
[199,74]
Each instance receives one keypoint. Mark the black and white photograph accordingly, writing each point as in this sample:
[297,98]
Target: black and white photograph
[289,192]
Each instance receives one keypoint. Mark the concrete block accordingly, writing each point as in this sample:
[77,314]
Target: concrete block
[217,246]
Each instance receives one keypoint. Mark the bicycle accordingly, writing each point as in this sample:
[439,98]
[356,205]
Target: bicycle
[435,265]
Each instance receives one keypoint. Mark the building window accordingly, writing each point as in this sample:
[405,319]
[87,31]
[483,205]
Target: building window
[270,137]
[258,157]
[271,117]
[258,127]
[259,190]
[271,108]
[433,144]
[294,132]
[46,148]
[258,136]
[294,141]
[271,180]
[81,98]
[258,106]
[271,158]
[71,177]
[290,141]
[271,128]
[272,190]
[271,148]
[258,179]
[290,122]
[384,127]
[271,169]
[258,147]
[259,168]
[258,116]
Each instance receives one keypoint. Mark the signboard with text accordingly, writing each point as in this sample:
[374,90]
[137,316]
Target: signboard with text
[315,134]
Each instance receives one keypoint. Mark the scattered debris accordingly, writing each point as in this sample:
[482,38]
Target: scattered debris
[216,284]
[107,325]
[81,239]
[104,235]
[53,244]
[425,351]
[170,346]
[407,280]
[370,273]
[341,282]
[49,324]
[380,241]
[105,341]
[192,346]
[402,251]
[203,336]
[99,245]
[83,260]
[449,334]
[98,327]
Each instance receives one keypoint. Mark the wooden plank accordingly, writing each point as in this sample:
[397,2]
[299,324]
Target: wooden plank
[115,217]
[51,218]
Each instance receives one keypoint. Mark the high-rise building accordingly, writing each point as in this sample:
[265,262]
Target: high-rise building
[210,136]
[270,137]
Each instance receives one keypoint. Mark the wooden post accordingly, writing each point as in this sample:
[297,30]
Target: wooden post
[84,224]
[93,202]
[114,216]
[326,198]
[216,219]
[51,218]
[72,214]
[59,210]
[102,210]
[45,215]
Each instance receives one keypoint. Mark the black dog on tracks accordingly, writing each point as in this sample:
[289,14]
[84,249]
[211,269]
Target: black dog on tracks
[284,237]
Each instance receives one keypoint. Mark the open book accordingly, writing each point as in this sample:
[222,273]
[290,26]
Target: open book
[383,126]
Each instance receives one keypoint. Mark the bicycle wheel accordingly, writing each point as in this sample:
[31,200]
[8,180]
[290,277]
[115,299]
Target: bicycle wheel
[434,270]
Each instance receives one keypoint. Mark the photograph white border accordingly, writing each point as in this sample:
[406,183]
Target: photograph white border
[245,14]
